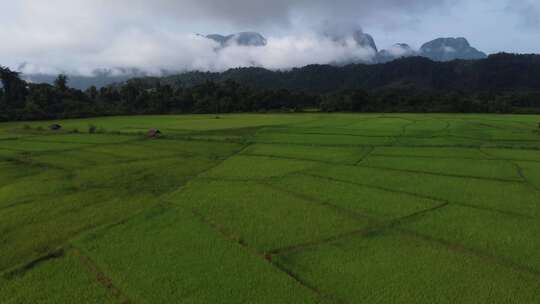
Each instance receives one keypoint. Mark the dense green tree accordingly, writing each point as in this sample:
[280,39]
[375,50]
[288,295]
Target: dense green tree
[14,88]
[407,85]
[61,82]
[92,93]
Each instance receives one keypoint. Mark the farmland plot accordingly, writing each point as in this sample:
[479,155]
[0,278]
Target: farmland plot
[271,208]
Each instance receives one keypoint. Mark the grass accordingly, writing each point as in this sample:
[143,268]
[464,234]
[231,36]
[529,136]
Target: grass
[492,169]
[430,152]
[370,202]
[499,196]
[257,168]
[530,173]
[394,268]
[248,211]
[207,269]
[271,208]
[500,235]
[325,154]
[59,280]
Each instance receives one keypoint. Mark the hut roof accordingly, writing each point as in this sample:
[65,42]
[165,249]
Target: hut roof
[55,127]
[153,133]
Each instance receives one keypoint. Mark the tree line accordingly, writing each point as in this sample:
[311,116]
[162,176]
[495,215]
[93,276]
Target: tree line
[499,72]
[21,100]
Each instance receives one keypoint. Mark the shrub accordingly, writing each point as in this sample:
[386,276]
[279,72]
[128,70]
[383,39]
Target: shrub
[92,129]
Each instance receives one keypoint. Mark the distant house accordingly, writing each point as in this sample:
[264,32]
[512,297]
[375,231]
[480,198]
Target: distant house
[153,133]
[55,127]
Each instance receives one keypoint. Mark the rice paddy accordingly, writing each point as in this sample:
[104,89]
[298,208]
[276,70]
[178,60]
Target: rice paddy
[271,208]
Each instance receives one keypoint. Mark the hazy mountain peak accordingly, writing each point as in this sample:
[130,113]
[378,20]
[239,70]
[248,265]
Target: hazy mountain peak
[396,51]
[365,40]
[242,39]
[345,36]
[446,49]
[249,39]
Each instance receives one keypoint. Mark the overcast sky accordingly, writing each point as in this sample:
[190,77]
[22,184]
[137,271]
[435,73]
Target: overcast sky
[77,36]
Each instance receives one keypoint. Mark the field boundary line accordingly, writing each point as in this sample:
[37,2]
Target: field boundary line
[503,261]
[323,241]
[421,196]
[22,268]
[206,170]
[396,136]
[365,156]
[217,164]
[253,251]
[105,281]
[520,173]
[379,227]
[493,158]
[260,155]
[502,180]
[382,168]
[471,146]
[26,201]
[325,203]
[403,132]
[524,177]
[79,148]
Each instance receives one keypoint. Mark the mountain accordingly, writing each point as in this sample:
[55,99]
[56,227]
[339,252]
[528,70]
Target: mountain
[365,40]
[447,49]
[360,38]
[442,49]
[99,78]
[412,72]
[398,50]
[243,39]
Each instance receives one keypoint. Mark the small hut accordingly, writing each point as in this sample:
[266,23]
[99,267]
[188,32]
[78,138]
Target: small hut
[55,127]
[153,133]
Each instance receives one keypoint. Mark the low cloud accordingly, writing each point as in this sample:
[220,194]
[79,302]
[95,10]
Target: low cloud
[528,12]
[80,36]
[165,51]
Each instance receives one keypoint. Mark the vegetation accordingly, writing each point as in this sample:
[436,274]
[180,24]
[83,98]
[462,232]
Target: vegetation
[405,85]
[271,208]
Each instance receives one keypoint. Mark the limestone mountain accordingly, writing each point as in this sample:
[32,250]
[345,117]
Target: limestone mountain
[398,50]
[448,49]
[242,38]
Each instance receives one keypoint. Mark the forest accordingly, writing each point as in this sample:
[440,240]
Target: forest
[502,83]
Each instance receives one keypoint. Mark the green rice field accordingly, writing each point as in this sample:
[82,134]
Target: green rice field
[271,208]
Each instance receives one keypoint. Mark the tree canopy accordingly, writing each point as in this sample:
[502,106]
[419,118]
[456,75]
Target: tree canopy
[409,85]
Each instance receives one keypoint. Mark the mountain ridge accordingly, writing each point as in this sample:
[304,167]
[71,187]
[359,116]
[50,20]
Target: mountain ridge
[410,72]
[440,49]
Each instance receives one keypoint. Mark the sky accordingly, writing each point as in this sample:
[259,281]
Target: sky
[79,36]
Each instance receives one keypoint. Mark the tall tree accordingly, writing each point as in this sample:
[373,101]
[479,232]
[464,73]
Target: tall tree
[61,82]
[14,88]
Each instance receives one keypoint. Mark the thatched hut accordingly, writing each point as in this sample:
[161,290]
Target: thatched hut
[55,127]
[153,133]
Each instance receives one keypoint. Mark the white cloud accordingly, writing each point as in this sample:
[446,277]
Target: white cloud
[82,35]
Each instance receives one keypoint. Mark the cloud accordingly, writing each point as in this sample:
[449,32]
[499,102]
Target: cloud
[528,12]
[291,51]
[254,13]
[78,36]
[160,51]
